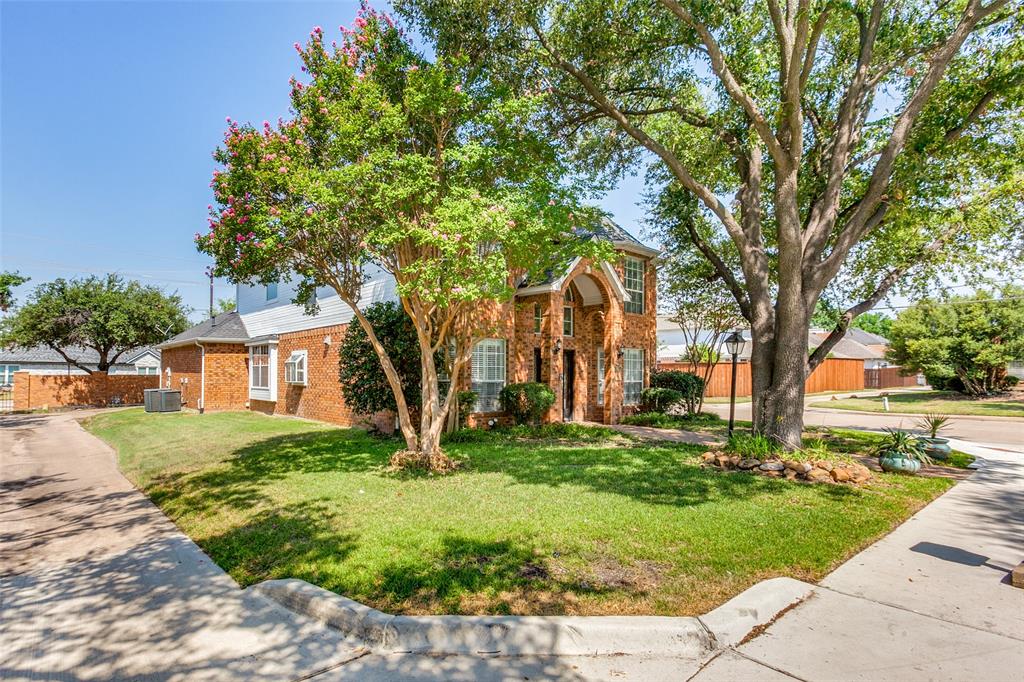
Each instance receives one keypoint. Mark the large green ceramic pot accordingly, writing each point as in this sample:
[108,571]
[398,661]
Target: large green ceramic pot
[898,464]
[937,448]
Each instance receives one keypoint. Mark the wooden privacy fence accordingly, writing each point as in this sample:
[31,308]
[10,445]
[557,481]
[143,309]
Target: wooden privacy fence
[834,374]
[36,391]
[888,377]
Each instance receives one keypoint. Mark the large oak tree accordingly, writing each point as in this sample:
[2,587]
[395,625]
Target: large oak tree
[838,144]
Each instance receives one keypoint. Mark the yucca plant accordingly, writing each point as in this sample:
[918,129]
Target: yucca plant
[932,423]
[898,443]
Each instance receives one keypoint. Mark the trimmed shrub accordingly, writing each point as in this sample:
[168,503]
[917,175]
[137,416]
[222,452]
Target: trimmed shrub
[526,403]
[467,400]
[659,400]
[690,386]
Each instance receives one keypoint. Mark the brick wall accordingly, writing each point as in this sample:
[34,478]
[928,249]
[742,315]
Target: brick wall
[39,391]
[227,375]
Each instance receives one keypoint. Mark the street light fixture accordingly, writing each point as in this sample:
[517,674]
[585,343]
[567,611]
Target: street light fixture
[734,344]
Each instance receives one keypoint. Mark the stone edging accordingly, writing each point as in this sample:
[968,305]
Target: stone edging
[679,637]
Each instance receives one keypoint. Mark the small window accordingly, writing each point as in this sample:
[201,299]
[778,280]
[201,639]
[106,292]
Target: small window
[295,368]
[538,318]
[600,376]
[146,371]
[634,285]
[568,323]
[7,374]
[272,291]
[259,367]
[488,373]
[632,375]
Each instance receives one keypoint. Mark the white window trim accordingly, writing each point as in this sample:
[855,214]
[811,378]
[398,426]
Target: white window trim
[296,357]
[600,376]
[538,319]
[627,379]
[268,394]
[477,370]
[7,374]
[643,285]
[568,321]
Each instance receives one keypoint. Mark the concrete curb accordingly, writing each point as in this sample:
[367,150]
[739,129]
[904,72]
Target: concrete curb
[758,605]
[916,415]
[691,638]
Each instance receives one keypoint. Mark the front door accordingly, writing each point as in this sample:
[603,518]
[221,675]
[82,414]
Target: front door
[568,384]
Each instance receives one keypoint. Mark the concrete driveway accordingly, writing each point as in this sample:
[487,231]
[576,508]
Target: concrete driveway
[97,584]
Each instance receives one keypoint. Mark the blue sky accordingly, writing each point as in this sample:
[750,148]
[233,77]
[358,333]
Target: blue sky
[109,113]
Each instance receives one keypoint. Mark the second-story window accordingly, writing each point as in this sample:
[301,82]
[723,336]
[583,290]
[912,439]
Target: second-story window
[272,291]
[634,271]
[538,318]
[568,322]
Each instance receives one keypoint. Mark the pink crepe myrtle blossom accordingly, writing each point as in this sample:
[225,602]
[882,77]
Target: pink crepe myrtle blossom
[310,211]
[282,169]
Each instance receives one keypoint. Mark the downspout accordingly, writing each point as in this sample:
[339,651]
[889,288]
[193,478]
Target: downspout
[202,379]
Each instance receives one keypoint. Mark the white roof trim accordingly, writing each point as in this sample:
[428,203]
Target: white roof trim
[636,248]
[617,286]
[553,286]
[613,278]
[201,339]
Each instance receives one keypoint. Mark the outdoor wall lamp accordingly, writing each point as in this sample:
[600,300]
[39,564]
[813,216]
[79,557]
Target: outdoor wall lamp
[558,346]
[621,352]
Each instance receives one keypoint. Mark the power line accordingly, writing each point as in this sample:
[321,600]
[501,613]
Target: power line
[78,268]
[100,247]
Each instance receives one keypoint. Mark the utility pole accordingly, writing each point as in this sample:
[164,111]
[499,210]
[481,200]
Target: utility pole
[209,271]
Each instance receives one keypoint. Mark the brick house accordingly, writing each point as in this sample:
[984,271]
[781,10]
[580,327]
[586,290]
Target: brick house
[590,334]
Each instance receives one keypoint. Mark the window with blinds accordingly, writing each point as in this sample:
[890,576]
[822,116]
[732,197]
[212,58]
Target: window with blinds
[488,373]
[259,374]
[632,375]
[634,284]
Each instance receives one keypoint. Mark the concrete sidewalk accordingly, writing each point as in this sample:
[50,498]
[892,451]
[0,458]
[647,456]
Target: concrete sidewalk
[930,601]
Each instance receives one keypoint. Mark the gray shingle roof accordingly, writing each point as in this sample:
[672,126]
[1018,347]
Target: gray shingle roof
[614,232]
[86,356]
[867,338]
[226,326]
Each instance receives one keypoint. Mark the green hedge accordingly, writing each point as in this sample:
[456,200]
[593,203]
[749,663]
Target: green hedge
[526,403]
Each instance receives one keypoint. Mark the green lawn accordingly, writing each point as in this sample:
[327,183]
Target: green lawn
[597,525]
[943,402]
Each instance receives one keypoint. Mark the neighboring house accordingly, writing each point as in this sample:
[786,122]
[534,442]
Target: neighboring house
[1015,368]
[588,333]
[856,344]
[46,361]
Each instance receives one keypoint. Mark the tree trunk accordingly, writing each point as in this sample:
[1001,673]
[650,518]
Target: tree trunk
[779,371]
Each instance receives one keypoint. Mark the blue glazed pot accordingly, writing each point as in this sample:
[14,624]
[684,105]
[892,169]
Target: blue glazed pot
[937,448]
[902,465]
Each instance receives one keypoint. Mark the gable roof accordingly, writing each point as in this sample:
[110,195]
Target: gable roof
[617,235]
[81,354]
[223,328]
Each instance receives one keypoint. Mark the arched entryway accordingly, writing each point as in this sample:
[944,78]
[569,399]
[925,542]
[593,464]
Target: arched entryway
[587,374]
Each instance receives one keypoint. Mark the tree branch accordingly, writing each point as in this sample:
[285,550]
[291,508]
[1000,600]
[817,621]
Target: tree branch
[883,288]
[69,359]
[732,86]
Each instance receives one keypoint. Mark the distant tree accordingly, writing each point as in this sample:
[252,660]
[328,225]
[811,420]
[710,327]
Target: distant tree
[106,314]
[961,342]
[8,281]
[876,323]
[225,305]
[691,289]
[424,169]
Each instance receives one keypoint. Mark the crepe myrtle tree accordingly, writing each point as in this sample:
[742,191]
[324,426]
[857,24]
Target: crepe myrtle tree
[836,145]
[426,170]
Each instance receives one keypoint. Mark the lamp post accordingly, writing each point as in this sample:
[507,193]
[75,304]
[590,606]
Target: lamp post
[734,344]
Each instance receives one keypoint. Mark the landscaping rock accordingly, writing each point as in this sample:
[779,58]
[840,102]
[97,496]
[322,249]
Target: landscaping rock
[772,473]
[709,457]
[841,474]
[790,474]
[860,473]
[799,467]
[822,464]
[734,460]
[749,463]
[772,466]
[722,461]
[819,475]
